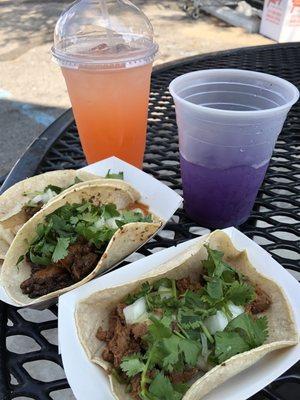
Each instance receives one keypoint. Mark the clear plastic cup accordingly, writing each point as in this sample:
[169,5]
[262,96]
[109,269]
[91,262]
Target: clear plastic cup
[105,50]
[228,122]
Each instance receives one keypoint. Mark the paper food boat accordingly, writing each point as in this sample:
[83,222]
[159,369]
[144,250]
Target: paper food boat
[88,380]
[161,200]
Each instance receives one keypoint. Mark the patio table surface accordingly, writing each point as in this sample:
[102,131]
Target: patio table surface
[30,366]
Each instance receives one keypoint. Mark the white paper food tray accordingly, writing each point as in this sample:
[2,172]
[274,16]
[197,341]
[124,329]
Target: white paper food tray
[162,200]
[88,381]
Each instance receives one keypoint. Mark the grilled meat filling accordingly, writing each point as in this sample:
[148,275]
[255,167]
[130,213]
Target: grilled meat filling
[124,339]
[30,211]
[80,262]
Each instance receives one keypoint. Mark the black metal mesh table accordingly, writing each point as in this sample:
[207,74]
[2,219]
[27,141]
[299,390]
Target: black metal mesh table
[274,222]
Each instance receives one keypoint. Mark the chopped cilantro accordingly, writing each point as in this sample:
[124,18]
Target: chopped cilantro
[216,267]
[254,331]
[50,191]
[214,288]
[132,365]
[61,249]
[191,350]
[193,320]
[159,330]
[145,288]
[155,300]
[111,175]
[110,211]
[241,334]
[164,282]
[181,387]
[179,336]
[240,293]
[53,188]
[162,389]
[20,259]
[133,216]
[170,352]
[71,222]
[229,344]
[39,259]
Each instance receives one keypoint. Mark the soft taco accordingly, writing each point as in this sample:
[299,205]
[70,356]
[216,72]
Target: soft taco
[6,239]
[24,199]
[79,234]
[190,325]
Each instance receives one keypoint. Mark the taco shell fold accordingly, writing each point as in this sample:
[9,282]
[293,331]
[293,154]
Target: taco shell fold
[12,201]
[6,239]
[93,312]
[125,240]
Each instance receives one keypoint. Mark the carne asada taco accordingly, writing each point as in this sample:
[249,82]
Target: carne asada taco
[184,329]
[24,199]
[79,234]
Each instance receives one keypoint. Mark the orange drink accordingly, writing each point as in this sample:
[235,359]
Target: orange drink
[110,108]
[105,49]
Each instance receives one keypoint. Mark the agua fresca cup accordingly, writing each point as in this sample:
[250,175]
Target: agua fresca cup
[106,50]
[228,122]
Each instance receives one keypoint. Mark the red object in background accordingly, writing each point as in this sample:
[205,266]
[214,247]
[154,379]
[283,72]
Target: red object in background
[276,2]
[281,20]
[296,3]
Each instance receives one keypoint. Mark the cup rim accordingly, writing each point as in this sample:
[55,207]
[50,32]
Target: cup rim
[72,61]
[214,112]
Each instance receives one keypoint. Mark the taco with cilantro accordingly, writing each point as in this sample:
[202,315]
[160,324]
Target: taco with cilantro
[79,234]
[188,327]
[24,199]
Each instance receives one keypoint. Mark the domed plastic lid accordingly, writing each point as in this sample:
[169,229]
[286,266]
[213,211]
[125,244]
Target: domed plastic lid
[103,34]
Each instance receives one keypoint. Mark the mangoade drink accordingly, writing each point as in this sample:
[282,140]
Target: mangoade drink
[111,108]
[228,122]
[105,49]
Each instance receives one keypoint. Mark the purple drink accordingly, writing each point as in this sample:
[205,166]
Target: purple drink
[220,197]
[228,122]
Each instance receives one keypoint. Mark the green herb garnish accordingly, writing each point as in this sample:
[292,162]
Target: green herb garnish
[178,334]
[111,175]
[96,224]
[53,189]
[20,259]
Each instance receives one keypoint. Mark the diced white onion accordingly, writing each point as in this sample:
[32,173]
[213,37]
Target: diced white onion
[135,311]
[235,310]
[165,293]
[138,210]
[111,223]
[216,322]
[100,223]
[44,197]
[37,198]
[219,321]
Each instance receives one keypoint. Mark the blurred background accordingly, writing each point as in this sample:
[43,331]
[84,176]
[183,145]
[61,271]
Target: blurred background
[32,90]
